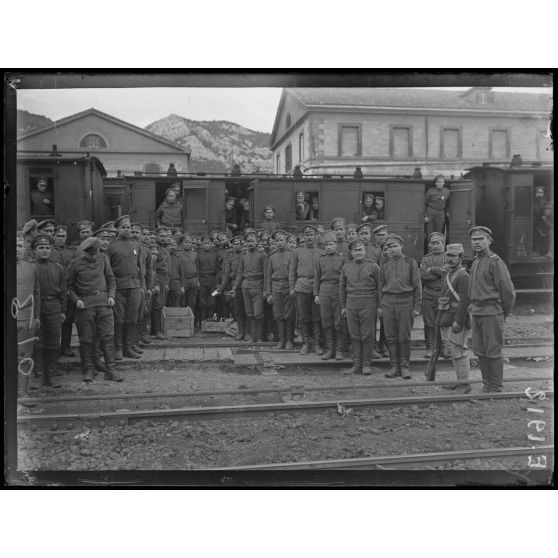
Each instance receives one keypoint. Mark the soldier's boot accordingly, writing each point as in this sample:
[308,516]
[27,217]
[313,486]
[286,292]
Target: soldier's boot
[144,333]
[318,349]
[329,343]
[135,334]
[444,349]
[462,369]
[340,344]
[281,341]
[38,368]
[156,327]
[305,334]
[405,359]
[395,370]
[259,330]
[240,322]
[428,341]
[484,366]
[367,348]
[86,357]
[97,355]
[496,373]
[289,334]
[374,351]
[65,340]
[127,342]
[383,344]
[49,376]
[249,330]
[118,329]
[357,359]
[112,372]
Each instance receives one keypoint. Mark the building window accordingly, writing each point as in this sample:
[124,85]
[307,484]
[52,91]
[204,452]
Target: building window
[288,121]
[277,164]
[288,157]
[300,147]
[451,143]
[499,144]
[151,168]
[350,141]
[93,141]
[401,142]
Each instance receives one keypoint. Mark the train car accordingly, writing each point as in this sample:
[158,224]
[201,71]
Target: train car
[74,186]
[505,202]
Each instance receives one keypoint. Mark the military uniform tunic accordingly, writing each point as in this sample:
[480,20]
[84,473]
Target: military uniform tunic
[251,273]
[435,202]
[327,272]
[301,280]
[277,284]
[431,275]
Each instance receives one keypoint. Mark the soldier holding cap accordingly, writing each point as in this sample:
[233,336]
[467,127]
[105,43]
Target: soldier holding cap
[42,201]
[399,304]
[54,297]
[435,205]
[169,213]
[124,256]
[161,281]
[327,272]
[251,271]
[453,318]
[359,287]
[277,291]
[431,270]
[301,284]
[492,298]
[209,263]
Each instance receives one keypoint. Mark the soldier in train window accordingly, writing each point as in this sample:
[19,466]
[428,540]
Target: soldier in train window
[302,207]
[369,213]
[314,211]
[543,232]
[379,203]
[244,218]
[42,199]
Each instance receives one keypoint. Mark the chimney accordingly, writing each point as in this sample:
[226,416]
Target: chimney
[516,161]
[358,173]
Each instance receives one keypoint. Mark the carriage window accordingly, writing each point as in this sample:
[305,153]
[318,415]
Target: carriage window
[522,201]
[372,206]
[93,141]
[42,195]
[307,206]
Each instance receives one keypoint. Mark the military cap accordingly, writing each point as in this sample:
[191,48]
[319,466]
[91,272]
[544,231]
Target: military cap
[364,226]
[269,207]
[161,229]
[247,234]
[357,243]
[456,249]
[41,239]
[312,227]
[222,236]
[329,237]
[480,229]
[352,226]
[29,227]
[89,243]
[394,238]
[539,189]
[107,225]
[103,232]
[42,181]
[380,229]
[85,225]
[337,221]
[369,197]
[121,219]
[45,223]
[60,228]
[204,237]
[278,233]
[436,235]
[135,225]
[235,240]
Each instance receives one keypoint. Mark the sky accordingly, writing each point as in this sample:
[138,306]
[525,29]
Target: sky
[251,107]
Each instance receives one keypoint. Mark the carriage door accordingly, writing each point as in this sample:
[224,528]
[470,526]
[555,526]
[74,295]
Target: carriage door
[194,200]
[340,198]
[277,193]
[520,233]
[461,215]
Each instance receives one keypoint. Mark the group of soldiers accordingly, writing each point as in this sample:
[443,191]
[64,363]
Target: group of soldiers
[334,286]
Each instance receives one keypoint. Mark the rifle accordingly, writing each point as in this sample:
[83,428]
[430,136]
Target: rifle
[430,371]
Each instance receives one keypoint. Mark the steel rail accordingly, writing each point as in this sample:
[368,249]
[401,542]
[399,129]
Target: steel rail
[405,459]
[124,416]
[255,391]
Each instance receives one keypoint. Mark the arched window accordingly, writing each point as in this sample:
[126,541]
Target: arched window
[93,141]
[151,168]
[288,120]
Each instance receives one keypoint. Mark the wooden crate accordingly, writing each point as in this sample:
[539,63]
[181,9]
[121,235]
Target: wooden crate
[178,322]
[210,325]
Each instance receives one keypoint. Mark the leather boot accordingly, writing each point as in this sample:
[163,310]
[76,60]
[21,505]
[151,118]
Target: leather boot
[143,333]
[250,327]
[49,377]
[118,341]
[383,348]
[367,347]
[38,368]
[136,339]
[462,367]
[289,334]
[241,327]
[357,359]
[86,356]
[405,359]
[97,355]
[318,349]
[127,339]
[112,372]
[484,366]
[496,373]
[338,344]
[395,371]
[156,320]
[65,340]
[304,332]
[329,342]
[281,335]
[23,381]
[258,330]
[428,341]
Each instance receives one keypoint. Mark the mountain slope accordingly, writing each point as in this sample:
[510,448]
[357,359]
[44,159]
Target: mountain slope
[28,122]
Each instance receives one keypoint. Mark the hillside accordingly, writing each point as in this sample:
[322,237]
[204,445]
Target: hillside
[216,144]
[29,122]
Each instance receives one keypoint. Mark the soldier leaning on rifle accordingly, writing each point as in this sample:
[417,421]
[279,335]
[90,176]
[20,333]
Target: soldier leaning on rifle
[91,286]
[161,283]
[359,285]
[399,305]
[250,276]
[492,298]
[380,235]
[453,315]
[54,298]
[327,272]
[277,291]
[431,276]
[301,284]
[124,258]
[29,305]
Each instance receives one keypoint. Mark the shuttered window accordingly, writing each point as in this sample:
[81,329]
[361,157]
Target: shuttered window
[499,144]
[401,142]
[349,141]
[288,157]
[301,148]
[451,143]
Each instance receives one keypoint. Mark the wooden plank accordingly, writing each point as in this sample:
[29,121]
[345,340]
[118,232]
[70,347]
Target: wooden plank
[245,359]
[224,353]
[154,354]
[172,353]
[209,355]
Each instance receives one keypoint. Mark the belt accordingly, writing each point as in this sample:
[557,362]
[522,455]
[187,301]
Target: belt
[400,295]
[486,302]
[90,293]
[56,297]
[191,276]
[280,280]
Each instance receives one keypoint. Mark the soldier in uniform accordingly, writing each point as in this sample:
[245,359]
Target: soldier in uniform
[161,282]
[431,271]
[52,285]
[124,256]
[176,277]
[61,253]
[42,201]
[29,232]
[454,320]
[230,273]
[380,235]
[250,276]
[435,206]
[46,227]
[189,260]
[301,283]
[209,263]
[326,295]
[492,298]
[169,213]
[351,233]
[399,304]
[341,245]
[277,291]
[91,286]
[269,224]
[372,253]
[229,217]
[359,286]
[221,302]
